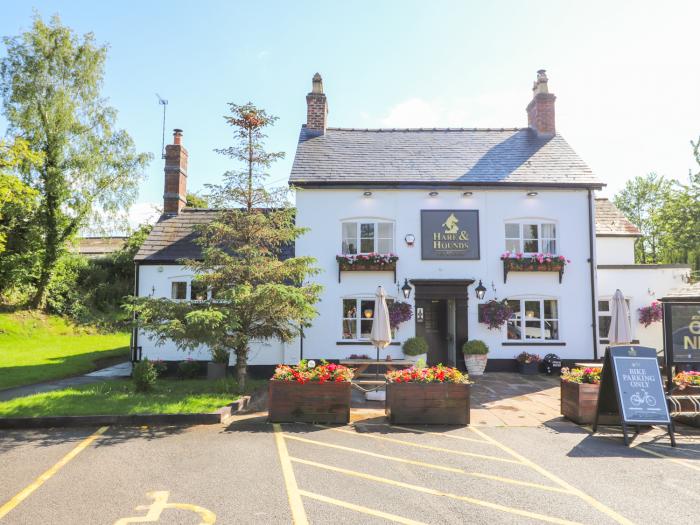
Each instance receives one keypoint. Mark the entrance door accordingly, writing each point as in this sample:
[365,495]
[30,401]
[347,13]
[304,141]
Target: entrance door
[431,323]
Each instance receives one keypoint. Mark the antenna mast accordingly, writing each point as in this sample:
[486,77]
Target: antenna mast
[163,103]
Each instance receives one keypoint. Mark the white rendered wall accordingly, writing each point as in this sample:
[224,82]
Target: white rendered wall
[641,285]
[156,280]
[324,210]
[615,250]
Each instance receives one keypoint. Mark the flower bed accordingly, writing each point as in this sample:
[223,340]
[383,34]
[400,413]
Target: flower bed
[309,393]
[367,262]
[579,394]
[437,395]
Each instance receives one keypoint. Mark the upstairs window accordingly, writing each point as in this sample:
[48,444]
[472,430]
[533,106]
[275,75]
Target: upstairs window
[367,237]
[531,237]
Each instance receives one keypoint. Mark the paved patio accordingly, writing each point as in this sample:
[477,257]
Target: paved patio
[499,399]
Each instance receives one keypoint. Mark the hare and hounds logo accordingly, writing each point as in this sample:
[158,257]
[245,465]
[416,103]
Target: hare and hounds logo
[451,225]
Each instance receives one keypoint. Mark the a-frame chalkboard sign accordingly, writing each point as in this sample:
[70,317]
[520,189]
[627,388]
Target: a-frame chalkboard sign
[631,390]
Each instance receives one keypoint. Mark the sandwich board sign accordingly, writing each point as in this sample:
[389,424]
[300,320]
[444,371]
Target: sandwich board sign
[632,390]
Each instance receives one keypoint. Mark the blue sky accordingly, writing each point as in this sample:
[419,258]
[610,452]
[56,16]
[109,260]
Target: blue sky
[625,73]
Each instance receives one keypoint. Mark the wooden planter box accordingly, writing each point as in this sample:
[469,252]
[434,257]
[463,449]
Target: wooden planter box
[367,267]
[528,369]
[312,402]
[509,266]
[427,403]
[579,401]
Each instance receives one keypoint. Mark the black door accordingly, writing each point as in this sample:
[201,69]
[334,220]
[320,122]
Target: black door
[431,323]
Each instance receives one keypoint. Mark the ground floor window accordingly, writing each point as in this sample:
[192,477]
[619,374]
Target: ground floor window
[358,314]
[533,320]
[605,319]
[178,290]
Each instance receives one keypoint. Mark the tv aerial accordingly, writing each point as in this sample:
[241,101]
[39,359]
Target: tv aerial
[163,103]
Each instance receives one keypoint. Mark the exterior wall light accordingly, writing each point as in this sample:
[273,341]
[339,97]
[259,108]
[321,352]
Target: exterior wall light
[480,291]
[467,194]
[406,289]
[532,194]
[433,193]
[410,239]
[367,194]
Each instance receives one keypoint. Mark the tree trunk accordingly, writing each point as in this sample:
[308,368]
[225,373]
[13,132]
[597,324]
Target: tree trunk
[241,367]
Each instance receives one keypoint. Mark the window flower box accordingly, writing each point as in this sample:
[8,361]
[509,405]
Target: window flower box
[539,262]
[364,262]
[579,394]
[310,394]
[434,396]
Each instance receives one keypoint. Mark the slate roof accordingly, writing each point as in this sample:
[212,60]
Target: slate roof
[173,238]
[611,222]
[444,156]
[690,292]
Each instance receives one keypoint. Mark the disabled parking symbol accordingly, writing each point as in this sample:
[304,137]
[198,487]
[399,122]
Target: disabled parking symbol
[160,503]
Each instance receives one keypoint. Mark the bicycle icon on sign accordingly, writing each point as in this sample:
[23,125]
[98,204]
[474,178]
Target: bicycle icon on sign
[160,503]
[644,398]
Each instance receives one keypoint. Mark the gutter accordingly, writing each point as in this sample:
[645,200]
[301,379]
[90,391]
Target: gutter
[359,184]
[591,262]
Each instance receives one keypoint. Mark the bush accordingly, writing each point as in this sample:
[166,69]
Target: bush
[475,347]
[415,346]
[144,375]
[188,369]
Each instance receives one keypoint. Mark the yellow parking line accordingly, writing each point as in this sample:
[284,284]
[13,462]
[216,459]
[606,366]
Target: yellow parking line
[429,465]
[290,482]
[358,508]
[585,497]
[419,445]
[432,433]
[38,482]
[426,490]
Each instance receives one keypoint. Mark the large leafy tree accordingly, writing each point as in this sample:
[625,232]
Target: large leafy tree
[257,291]
[50,81]
[640,200]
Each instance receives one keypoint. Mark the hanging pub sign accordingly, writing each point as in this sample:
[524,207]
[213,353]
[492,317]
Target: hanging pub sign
[683,329]
[449,234]
[632,391]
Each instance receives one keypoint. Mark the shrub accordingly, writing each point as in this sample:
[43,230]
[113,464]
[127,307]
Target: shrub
[415,346]
[475,347]
[220,355]
[144,375]
[188,369]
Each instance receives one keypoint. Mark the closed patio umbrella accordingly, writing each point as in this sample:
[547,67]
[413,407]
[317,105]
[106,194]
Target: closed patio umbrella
[381,329]
[620,330]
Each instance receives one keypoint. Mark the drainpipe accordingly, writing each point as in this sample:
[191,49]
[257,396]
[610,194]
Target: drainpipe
[591,260]
[134,329]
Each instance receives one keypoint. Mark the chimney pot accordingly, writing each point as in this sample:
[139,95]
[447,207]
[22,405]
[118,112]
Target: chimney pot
[177,136]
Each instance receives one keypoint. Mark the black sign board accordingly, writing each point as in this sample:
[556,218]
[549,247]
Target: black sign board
[449,234]
[631,389]
[683,326]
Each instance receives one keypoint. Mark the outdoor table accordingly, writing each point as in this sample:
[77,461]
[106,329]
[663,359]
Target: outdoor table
[361,365]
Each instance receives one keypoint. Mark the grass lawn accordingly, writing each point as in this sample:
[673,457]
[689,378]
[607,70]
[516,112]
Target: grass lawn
[170,396]
[36,347]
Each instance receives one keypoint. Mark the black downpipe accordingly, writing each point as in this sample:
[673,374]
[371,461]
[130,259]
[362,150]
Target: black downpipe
[591,240]
[134,329]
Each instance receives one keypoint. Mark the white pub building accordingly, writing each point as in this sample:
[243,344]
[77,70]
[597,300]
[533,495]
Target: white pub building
[429,214]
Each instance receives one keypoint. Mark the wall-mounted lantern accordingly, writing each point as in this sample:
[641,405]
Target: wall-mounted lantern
[410,239]
[480,291]
[406,289]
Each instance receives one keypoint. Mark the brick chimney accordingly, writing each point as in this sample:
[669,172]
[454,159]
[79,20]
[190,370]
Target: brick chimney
[175,196]
[316,106]
[540,111]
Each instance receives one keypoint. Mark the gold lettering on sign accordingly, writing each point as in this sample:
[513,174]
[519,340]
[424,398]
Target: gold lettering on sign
[692,342]
[453,238]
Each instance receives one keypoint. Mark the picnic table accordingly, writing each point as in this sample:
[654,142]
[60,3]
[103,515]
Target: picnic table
[361,365]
